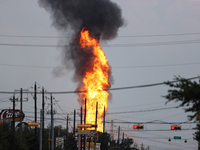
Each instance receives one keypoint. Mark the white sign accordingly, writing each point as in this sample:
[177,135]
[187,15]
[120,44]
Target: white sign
[60,142]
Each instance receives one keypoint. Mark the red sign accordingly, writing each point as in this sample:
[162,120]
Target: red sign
[8,114]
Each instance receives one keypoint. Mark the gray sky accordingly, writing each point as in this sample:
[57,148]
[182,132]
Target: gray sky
[134,62]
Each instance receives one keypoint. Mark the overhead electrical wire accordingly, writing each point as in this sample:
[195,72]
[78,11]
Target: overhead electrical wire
[111,45]
[136,105]
[119,67]
[142,110]
[111,89]
[153,130]
[152,122]
[123,36]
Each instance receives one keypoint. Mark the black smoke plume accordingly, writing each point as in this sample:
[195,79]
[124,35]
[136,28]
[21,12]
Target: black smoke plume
[101,17]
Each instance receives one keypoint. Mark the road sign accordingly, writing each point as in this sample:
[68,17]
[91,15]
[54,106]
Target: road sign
[33,124]
[177,137]
[85,125]
[83,131]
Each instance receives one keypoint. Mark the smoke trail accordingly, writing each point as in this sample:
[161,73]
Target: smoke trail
[101,17]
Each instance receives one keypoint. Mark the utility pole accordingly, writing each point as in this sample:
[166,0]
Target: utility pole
[67,131]
[142,146]
[74,143]
[104,119]
[112,137]
[13,122]
[21,114]
[14,114]
[52,125]
[85,139]
[104,128]
[81,123]
[118,137]
[35,97]
[95,139]
[123,140]
[42,116]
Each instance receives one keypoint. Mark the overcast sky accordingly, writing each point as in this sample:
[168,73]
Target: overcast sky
[160,40]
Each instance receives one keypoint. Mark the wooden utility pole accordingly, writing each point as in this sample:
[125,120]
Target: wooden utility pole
[13,122]
[74,143]
[14,113]
[66,131]
[42,117]
[21,97]
[81,123]
[112,135]
[95,139]
[123,140]
[118,137]
[52,125]
[104,119]
[35,97]
[85,140]
[104,115]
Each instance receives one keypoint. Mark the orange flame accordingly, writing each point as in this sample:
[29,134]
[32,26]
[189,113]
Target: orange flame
[95,80]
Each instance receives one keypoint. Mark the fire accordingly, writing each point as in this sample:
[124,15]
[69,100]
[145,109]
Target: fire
[96,79]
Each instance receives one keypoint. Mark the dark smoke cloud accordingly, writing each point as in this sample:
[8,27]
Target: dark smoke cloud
[101,17]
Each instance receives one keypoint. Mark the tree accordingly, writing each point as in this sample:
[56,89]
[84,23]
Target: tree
[7,137]
[104,138]
[126,144]
[186,92]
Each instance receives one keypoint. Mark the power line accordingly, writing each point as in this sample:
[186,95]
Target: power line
[152,130]
[153,66]
[123,36]
[152,122]
[135,105]
[125,112]
[123,67]
[111,45]
[147,85]
[111,89]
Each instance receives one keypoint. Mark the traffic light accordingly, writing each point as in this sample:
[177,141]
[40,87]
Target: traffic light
[185,141]
[50,140]
[33,124]
[86,126]
[175,127]
[169,140]
[139,126]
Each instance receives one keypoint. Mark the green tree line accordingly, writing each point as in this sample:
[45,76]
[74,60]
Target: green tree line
[26,139]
